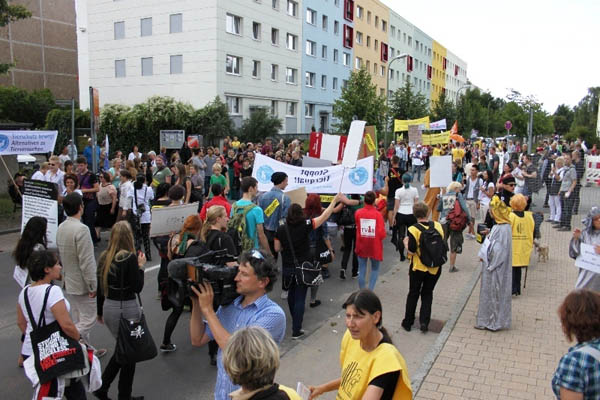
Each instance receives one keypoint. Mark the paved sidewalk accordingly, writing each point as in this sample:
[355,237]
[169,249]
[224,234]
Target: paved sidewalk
[518,363]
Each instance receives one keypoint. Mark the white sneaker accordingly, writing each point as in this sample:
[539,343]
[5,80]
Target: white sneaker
[284,294]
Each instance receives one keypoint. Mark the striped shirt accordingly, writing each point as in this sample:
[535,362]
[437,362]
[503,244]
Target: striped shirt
[264,312]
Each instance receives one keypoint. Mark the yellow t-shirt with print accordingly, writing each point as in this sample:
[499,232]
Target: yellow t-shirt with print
[522,238]
[458,154]
[437,152]
[292,394]
[360,367]
[416,263]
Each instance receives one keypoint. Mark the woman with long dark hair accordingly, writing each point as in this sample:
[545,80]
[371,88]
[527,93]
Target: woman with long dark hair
[142,198]
[406,197]
[120,280]
[294,237]
[367,347]
[32,239]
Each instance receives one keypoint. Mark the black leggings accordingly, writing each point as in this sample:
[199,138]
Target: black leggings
[349,243]
[126,373]
[403,221]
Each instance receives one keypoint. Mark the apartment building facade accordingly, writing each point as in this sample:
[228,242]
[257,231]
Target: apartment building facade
[291,57]
[326,62]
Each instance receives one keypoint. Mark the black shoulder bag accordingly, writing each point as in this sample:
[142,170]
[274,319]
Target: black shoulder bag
[307,273]
[55,353]
[134,341]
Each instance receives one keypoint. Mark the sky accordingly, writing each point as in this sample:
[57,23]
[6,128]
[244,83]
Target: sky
[549,49]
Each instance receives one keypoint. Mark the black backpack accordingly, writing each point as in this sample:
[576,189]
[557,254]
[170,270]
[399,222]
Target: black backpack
[433,248]
[346,216]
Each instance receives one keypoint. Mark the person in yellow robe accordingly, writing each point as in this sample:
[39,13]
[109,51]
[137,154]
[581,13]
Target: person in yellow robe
[522,225]
[372,367]
[431,196]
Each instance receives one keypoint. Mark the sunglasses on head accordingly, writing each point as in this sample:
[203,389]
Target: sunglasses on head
[257,254]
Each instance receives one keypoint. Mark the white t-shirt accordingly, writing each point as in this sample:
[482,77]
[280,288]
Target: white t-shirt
[36,299]
[132,156]
[407,199]
[144,196]
[38,176]
[472,184]
[416,158]
[484,200]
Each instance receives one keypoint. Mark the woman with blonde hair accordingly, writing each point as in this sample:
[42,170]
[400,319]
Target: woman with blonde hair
[251,359]
[213,232]
[120,280]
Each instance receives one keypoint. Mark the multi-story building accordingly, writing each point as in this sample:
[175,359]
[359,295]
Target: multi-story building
[43,48]
[325,61]
[292,57]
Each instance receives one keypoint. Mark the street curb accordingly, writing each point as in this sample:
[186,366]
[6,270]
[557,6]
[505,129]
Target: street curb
[439,343]
[7,231]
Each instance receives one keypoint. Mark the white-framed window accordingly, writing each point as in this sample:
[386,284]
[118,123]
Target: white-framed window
[336,27]
[274,108]
[323,81]
[233,24]
[359,37]
[119,30]
[310,79]
[176,64]
[346,59]
[234,105]
[256,30]
[291,41]
[335,83]
[275,36]
[336,55]
[292,8]
[120,69]
[176,23]
[309,110]
[256,69]
[391,74]
[311,16]
[344,83]
[324,52]
[233,65]
[357,62]
[324,22]
[146,26]
[311,48]
[147,66]
[360,12]
[392,30]
[275,4]
[274,72]
[291,75]
[290,109]
[383,70]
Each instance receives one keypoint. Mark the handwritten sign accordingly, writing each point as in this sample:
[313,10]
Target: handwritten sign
[170,219]
[588,259]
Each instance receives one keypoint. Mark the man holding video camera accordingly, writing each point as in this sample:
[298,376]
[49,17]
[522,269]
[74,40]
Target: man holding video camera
[255,278]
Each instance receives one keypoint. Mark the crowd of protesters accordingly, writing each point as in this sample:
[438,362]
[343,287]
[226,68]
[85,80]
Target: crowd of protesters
[494,183]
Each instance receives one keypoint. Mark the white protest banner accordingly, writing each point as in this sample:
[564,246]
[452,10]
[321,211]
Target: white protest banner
[441,171]
[170,219]
[438,125]
[357,180]
[41,199]
[27,142]
[355,137]
[588,259]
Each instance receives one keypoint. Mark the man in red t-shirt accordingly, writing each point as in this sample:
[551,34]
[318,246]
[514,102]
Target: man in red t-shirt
[370,232]
[217,200]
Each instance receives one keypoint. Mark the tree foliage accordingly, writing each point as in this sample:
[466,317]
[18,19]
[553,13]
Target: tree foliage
[443,108]
[359,100]
[60,120]
[407,104]
[19,105]
[11,13]
[259,126]
[213,121]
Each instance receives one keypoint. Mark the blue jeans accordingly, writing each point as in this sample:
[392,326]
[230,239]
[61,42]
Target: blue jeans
[296,301]
[362,272]
[417,170]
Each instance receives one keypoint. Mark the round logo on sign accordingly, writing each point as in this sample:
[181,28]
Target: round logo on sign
[264,174]
[4,142]
[358,176]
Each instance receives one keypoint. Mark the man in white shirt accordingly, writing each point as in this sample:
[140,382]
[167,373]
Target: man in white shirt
[471,192]
[40,174]
[417,161]
[55,175]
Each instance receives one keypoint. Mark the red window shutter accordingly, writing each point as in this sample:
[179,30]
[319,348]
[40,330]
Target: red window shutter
[384,52]
[455,70]
[444,90]
[348,36]
[429,72]
[349,10]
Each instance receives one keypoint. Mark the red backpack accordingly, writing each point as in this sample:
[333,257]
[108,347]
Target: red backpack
[457,217]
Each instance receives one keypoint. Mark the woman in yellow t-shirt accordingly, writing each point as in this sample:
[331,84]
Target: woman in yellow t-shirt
[371,366]
[523,226]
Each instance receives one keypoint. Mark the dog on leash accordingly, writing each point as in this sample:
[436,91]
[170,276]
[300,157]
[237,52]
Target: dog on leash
[542,251]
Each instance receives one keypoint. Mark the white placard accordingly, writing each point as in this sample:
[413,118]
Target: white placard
[355,137]
[40,200]
[27,142]
[356,180]
[330,147]
[303,391]
[166,220]
[441,171]
[588,259]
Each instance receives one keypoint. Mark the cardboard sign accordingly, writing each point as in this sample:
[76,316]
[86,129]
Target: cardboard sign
[414,135]
[355,137]
[369,144]
[170,219]
[298,196]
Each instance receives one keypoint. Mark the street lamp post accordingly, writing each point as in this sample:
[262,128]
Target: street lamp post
[387,94]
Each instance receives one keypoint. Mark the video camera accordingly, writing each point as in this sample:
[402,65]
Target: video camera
[187,272]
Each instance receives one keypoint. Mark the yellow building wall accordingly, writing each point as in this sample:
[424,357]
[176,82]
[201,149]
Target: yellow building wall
[369,55]
[438,75]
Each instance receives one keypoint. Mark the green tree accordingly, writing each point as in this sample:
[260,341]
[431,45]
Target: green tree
[112,120]
[562,119]
[586,111]
[19,105]
[60,120]
[212,121]
[359,100]
[443,108]
[406,104]
[259,126]
[11,13]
